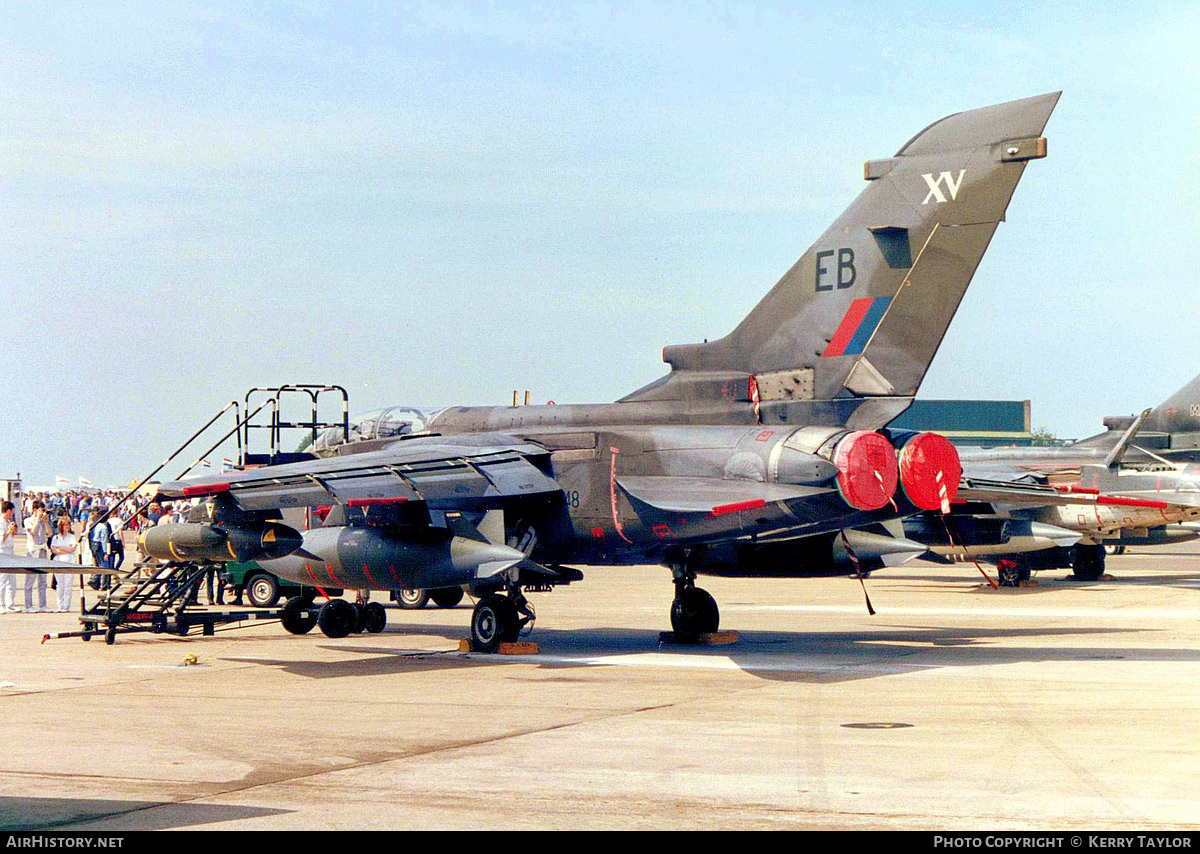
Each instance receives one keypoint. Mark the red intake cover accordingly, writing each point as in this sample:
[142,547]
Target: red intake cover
[866,464]
[929,471]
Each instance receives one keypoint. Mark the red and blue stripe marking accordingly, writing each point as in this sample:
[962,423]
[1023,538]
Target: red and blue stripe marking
[857,326]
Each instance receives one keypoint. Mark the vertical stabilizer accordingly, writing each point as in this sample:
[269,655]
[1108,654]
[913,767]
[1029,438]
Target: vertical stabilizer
[860,316]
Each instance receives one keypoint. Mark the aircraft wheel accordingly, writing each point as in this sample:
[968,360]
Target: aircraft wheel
[694,612]
[337,618]
[1114,550]
[1088,563]
[360,618]
[411,600]
[374,617]
[493,621]
[446,597]
[262,590]
[297,619]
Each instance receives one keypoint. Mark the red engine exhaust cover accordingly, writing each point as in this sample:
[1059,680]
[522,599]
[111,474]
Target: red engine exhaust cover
[867,470]
[929,471]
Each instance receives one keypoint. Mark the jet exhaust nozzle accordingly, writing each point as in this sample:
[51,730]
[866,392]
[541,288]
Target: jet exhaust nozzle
[930,471]
[867,471]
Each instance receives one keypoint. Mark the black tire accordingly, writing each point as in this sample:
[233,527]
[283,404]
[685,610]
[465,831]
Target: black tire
[360,618]
[297,619]
[262,590]
[1088,563]
[493,622]
[512,622]
[110,636]
[375,617]
[446,597]
[1114,549]
[411,600]
[337,618]
[694,612]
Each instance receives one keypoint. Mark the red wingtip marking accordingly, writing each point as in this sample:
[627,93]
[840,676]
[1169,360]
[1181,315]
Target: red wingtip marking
[1076,489]
[368,502]
[1131,502]
[207,489]
[752,504]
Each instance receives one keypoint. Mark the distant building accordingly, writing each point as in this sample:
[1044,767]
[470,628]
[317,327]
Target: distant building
[978,423]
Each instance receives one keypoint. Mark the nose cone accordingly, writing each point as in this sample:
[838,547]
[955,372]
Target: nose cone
[486,558]
[279,540]
[886,550]
[1054,535]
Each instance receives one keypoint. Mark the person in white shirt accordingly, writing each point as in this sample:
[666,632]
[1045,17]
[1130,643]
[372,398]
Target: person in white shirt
[8,580]
[38,532]
[65,548]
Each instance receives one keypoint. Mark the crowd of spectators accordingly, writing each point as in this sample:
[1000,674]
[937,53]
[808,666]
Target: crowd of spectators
[73,527]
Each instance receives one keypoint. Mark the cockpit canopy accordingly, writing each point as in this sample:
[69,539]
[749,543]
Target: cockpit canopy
[393,422]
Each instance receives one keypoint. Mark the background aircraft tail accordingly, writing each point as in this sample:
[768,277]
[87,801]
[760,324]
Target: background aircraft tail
[1173,425]
[846,336]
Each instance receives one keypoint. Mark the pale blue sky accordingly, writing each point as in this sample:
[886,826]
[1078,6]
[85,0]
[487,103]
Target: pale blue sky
[440,202]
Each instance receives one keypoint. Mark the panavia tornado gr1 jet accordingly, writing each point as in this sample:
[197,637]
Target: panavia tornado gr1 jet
[747,458]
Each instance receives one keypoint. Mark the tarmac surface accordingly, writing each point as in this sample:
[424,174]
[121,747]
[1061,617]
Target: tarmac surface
[1067,705]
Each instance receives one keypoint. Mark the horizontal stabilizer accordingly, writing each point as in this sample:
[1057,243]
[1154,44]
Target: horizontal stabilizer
[1038,495]
[711,495]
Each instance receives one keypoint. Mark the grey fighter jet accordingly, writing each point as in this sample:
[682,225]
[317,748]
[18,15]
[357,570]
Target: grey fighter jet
[1169,431]
[1127,495]
[747,457]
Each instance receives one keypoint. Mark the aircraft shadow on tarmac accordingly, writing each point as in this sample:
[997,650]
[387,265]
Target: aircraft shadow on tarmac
[18,814]
[816,657]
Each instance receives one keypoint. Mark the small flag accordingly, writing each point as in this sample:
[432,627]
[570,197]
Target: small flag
[206,464]
[62,482]
[226,465]
[83,481]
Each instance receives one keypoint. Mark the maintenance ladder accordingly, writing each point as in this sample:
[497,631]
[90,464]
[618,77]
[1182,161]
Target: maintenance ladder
[159,598]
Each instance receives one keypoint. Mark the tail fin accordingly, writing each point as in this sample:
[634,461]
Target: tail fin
[1179,413]
[858,319]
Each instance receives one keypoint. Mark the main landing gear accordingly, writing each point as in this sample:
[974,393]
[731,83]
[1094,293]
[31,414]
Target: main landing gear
[694,612]
[1087,562]
[337,618]
[1012,572]
[499,619]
